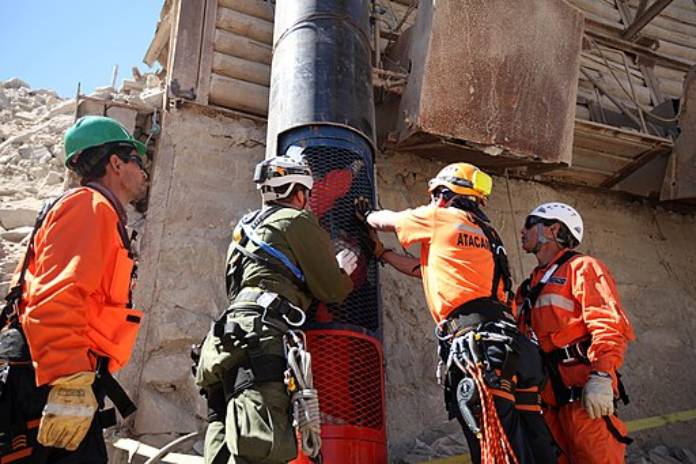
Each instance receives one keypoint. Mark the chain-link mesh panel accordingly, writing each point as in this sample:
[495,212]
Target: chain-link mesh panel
[340,176]
[347,372]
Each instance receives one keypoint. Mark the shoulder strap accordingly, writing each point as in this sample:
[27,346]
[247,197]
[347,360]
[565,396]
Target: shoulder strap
[501,271]
[532,294]
[280,262]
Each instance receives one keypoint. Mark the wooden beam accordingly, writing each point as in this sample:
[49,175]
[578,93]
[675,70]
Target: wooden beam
[207,50]
[242,47]
[641,21]
[609,38]
[613,99]
[258,8]
[643,159]
[242,24]
[186,55]
[239,95]
[237,68]
[646,66]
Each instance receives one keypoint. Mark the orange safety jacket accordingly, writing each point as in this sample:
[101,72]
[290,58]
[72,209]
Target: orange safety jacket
[579,302]
[457,264]
[75,302]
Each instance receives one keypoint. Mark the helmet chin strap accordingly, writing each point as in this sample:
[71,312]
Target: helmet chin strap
[541,239]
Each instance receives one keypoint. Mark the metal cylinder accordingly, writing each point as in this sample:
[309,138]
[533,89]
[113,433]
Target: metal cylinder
[321,72]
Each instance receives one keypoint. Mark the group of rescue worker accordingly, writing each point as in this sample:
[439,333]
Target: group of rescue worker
[536,369]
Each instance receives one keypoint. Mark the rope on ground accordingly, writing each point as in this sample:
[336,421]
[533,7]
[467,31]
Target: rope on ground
[305,399]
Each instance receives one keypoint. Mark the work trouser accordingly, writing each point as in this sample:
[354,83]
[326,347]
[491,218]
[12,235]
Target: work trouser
[21,405]
[253,425]
[585,440]
[526,430]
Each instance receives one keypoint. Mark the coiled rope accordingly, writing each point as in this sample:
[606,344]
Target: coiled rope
[305,399]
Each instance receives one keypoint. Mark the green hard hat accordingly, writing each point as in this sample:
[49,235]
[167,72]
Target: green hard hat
[93,131]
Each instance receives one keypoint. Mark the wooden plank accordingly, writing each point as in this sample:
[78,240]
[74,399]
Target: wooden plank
[242,47]
[239,95]
[244,70]
[245,25]
[640,22]
[607,38]
[207,48]
[639,162]
[258,8]
[159,42]
[186,56]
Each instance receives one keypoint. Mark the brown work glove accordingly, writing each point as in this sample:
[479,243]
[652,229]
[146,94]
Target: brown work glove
[69,411]
[378,247]
[363,208]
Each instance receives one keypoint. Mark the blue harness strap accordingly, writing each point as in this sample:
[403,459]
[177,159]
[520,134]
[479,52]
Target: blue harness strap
[268,248]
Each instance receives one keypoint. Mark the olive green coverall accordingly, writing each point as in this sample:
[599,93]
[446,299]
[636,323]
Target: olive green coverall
[257,424]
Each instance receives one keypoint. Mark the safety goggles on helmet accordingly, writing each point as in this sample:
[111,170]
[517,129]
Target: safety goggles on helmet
[274,173]
[562,213]
[531,221]
[463,179]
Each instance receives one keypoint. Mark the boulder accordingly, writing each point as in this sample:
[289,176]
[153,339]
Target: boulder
[13,216]
[16,235]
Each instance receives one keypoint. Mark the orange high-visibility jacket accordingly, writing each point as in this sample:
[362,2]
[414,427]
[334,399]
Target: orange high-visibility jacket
[580,301]
[77,289]
[456,260]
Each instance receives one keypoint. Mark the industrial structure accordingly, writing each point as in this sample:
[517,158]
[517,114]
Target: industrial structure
[584,100]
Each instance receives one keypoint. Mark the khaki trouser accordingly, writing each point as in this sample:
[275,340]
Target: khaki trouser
[257,427]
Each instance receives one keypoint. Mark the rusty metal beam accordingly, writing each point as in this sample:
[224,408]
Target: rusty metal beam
[642,20]
[643,159]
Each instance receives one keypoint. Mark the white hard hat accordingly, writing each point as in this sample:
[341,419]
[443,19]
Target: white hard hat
[562,213]
[279,171]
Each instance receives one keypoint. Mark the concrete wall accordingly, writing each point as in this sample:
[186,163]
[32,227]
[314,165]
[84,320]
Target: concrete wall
[202,182]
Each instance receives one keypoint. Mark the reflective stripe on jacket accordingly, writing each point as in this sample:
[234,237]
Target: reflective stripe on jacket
[579,301]
[77,290]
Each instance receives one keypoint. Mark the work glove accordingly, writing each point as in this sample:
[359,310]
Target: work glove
[347,260]
[377,246]
[598,395]
[363,208]
[69,411]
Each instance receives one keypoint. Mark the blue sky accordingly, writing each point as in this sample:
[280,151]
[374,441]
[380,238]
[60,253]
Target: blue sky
[54,44]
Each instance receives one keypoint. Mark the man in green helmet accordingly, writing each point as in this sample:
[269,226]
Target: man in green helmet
[280,260]
[69,322]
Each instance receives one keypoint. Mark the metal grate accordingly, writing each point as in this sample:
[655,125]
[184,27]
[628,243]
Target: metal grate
[347,373]
[340,176]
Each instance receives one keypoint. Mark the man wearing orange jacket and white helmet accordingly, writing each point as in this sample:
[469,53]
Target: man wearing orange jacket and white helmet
[571,307]
[72,305]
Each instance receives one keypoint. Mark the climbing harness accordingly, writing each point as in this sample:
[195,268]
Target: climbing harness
[270,257]
[474,393]
[305,398]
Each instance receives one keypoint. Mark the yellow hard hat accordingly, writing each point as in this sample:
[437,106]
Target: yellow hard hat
[463,179]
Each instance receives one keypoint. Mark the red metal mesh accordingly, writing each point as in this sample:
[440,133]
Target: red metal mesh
[348,374]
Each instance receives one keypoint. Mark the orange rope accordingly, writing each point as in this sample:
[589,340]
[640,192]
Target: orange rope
[495,446]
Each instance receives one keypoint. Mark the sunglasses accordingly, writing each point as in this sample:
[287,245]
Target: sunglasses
[138,160]
[531,221]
